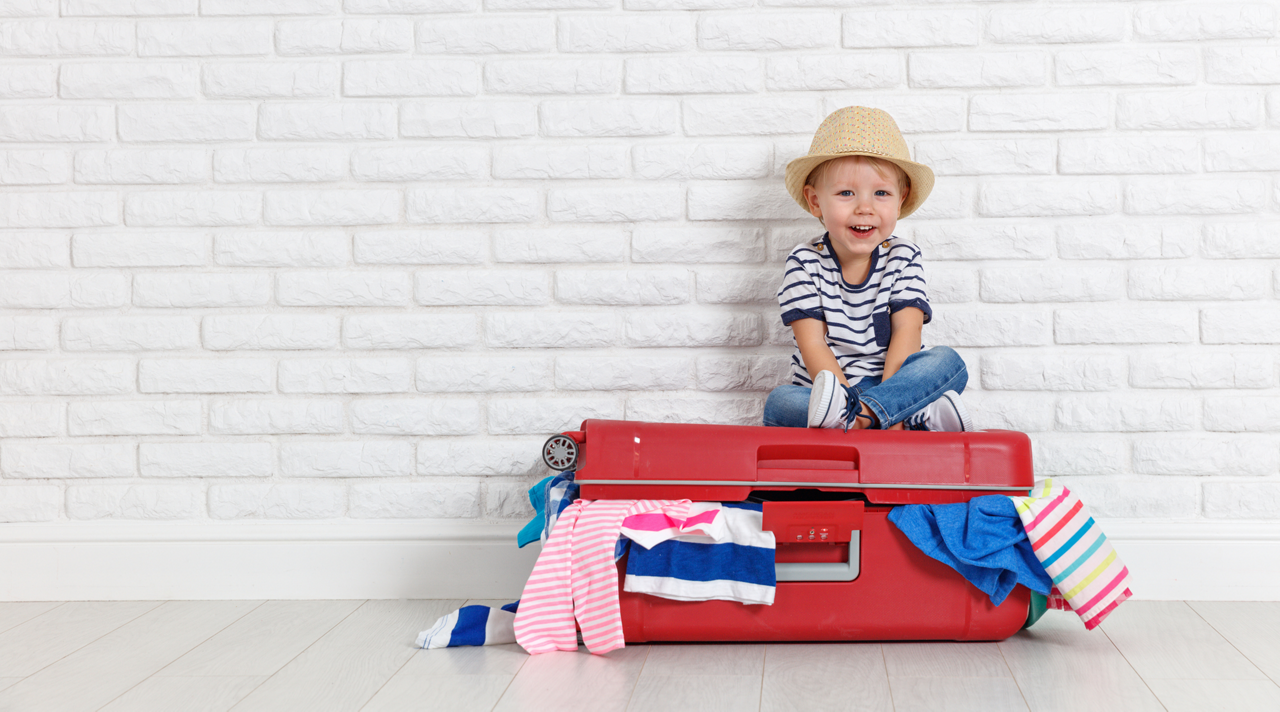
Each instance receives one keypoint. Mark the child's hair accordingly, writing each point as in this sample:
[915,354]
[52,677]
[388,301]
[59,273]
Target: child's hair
[883,167]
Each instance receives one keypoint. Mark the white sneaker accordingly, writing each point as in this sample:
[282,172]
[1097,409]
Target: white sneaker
[945,414]
[827,402]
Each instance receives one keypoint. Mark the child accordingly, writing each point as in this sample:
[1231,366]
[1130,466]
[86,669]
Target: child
[855,298]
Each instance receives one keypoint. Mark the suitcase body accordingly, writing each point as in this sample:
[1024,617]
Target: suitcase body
[844,571]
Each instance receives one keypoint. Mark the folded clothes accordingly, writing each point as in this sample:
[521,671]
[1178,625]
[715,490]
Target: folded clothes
[1088,577]
[471,625]
[735,562]
[982,539]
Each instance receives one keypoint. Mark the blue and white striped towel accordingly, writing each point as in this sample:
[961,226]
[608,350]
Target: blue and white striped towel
[471,625]
[739,567]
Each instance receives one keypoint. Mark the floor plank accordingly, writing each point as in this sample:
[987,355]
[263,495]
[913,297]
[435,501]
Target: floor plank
[481,660]
[1218,695]
[674,660]
[704,693]
[463,693]
[17,612]
[45,639]
[6,682]
[349,664]
[945,660]
[956,694]
[575,682]
[454,679]
[263,641]
[700,677]
[109,666]
[189,694]
[845,677]
[1169,640]
[1060,666]
[1253,627]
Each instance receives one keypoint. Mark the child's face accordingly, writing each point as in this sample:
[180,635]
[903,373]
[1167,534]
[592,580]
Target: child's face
[851,195]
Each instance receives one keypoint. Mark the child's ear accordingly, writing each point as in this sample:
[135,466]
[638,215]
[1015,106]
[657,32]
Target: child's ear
[811,198]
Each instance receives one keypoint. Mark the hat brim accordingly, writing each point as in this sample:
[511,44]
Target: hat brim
[921,177]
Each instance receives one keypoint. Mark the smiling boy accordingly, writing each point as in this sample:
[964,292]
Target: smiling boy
[856,297]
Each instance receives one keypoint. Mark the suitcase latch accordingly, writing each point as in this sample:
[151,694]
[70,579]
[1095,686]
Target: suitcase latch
[813,522]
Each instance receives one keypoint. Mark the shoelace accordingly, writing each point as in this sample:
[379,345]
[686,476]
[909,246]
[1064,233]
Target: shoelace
[916,420]
[849,404]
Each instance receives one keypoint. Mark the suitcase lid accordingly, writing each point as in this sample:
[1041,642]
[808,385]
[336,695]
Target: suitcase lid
[631,453]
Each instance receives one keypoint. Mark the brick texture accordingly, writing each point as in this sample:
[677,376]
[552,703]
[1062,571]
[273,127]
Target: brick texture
[356,259]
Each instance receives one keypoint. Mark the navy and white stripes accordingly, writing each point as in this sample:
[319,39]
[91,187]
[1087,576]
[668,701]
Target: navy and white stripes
[857,315]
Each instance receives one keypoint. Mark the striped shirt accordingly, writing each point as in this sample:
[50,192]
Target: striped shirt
[857,315]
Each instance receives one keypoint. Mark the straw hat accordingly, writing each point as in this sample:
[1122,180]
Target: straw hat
[860,131]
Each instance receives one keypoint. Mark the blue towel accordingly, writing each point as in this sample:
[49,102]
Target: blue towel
[982,539]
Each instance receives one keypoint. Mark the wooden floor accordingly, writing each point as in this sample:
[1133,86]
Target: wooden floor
[315,656]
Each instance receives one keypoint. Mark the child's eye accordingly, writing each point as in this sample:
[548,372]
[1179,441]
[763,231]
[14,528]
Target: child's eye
[846,192]
[883,191]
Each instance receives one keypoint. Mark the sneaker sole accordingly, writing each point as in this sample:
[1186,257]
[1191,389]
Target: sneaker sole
[966,423]
[820,399]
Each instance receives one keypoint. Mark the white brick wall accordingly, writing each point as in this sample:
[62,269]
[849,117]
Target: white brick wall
[326,259]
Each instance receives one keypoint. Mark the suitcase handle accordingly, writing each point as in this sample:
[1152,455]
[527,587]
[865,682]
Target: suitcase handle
[839,571]
[816,522]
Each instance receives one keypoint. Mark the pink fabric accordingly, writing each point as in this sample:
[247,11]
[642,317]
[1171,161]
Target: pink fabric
[575,577]
[653,528]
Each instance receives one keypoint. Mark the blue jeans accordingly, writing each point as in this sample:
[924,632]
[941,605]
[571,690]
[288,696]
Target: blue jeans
[923,378]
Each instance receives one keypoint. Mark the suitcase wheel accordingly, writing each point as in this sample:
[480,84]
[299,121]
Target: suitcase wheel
[560,453]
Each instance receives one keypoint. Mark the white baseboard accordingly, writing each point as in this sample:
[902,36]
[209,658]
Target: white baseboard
[1198,560]
[337,560]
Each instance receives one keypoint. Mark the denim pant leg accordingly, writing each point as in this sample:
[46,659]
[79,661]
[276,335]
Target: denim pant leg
[788,406]
[923,378]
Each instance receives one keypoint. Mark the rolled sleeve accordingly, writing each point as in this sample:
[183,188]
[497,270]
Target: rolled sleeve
[798,296]
[909,289]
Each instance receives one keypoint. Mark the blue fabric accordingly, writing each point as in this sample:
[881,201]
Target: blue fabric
[681,560]
[925,375]
[471,625]
[551,496]
[562,491]
[691,561]
[982,539]
[538,498]
[469,630]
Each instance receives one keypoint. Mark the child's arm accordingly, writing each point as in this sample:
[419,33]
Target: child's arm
[904,339]
[811,337]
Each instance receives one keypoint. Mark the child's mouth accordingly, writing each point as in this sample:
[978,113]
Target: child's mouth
[862,231]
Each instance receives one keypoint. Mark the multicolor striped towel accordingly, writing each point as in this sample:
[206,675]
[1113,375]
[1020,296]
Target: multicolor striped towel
[1088,577]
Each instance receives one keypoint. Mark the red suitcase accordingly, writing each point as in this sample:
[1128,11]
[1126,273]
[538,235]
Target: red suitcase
[844,571]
